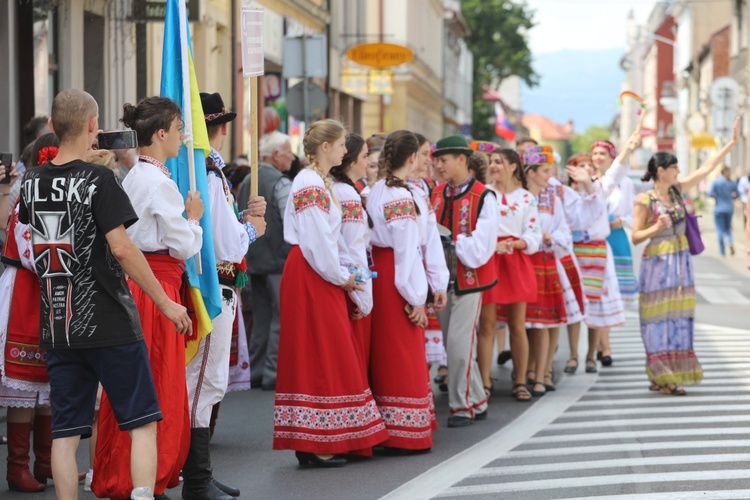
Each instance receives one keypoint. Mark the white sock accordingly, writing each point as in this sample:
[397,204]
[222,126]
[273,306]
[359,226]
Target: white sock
[142,493]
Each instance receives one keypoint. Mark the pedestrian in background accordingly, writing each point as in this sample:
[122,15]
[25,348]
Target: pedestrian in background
[724,191]
[743,186]
[266,258]
[667,282]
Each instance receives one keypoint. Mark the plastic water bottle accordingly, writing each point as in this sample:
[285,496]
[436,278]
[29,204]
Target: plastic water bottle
[362,275]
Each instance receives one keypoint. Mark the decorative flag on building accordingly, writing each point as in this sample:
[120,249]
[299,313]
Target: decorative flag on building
[503,128]
[178,82]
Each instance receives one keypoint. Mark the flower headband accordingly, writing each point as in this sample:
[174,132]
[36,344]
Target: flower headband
[538,155]
[47,154]
[484,146]
[606,145]
[579,158]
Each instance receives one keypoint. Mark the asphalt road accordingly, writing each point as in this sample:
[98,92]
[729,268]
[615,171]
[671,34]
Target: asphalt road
[545,449]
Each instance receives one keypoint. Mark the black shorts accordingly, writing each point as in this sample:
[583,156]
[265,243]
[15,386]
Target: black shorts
[125,374]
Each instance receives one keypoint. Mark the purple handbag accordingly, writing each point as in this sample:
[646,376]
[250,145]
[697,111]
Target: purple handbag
[693,234]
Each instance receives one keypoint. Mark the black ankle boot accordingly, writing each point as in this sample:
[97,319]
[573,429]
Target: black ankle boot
[197,471]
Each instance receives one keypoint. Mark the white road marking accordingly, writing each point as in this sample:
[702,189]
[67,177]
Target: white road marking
[640,434]
[638,412]
[662,399]
[509,470]
[585,482]
[628,448]
[644,422]
[719,295]
[684,495]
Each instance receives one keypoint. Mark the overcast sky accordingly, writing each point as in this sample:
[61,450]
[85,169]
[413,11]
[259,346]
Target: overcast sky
[583,24]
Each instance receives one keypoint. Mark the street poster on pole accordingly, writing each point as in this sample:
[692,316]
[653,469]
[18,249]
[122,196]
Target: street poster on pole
[253,67]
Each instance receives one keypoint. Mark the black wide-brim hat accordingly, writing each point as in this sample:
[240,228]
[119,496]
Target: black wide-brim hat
[453,144]
[214,110]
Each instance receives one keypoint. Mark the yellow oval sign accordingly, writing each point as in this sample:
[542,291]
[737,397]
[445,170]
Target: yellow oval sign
[379,55]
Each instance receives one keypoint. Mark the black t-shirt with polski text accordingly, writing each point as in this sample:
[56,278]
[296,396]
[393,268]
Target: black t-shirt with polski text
[86,301]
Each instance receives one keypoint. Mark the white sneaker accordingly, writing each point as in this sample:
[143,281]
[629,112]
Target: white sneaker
[142,493]
[87,481]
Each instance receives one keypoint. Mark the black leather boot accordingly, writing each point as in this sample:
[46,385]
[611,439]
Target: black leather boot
[197,473]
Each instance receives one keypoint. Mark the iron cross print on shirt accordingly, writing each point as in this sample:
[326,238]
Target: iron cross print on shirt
[53,244]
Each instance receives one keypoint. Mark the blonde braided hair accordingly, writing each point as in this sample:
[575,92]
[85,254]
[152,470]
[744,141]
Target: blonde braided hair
[318,133]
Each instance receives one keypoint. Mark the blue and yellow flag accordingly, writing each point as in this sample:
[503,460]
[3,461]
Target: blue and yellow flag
[178,82]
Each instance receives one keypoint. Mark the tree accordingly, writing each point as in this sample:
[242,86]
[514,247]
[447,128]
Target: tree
[582,143]
[500,49]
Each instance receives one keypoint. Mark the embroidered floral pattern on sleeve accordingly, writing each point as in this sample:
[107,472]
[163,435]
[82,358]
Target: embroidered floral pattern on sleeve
[351,211]
[402,208]
[311,196]
[547,201]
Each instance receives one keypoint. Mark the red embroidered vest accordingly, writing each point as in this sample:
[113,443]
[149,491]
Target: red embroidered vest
[462,218]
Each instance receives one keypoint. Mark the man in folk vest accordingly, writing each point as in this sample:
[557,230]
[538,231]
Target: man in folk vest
[266,258]
[469,209]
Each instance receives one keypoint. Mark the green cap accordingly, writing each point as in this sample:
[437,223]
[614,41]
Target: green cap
[453,144]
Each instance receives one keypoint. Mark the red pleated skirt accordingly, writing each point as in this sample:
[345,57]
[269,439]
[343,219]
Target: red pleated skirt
[549,307]
[362,331]
[400,379]
[25,361]
[323,403]
[166,350]
[574,278]
[516,281]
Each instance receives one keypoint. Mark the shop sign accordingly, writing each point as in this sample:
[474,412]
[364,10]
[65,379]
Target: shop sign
[381,82]
[354,82]
[156,10]
[379,55]
[702,141]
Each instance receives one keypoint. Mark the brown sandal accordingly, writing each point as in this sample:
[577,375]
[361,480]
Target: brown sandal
[521,393]
[675,390]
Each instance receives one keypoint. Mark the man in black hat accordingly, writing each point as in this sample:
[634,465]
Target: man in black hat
[208,371]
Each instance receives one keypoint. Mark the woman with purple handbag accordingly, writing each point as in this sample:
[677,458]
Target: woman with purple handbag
[667,286]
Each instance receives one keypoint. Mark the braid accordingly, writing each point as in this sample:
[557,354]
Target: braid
[315,167]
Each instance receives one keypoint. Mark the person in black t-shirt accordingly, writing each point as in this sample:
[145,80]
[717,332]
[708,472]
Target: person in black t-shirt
[78,213]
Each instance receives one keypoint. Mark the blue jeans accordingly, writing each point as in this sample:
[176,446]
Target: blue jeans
[723,228]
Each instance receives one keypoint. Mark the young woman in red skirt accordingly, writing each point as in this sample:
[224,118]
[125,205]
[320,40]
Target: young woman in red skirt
[547,312]
[400,380]
[519,237]
[166,238]
[324,407]
[354,241]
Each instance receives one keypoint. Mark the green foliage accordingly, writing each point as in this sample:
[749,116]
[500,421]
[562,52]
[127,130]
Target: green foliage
[582,143]
[500,48]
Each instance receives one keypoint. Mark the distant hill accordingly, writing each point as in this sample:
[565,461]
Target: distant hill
[578,85]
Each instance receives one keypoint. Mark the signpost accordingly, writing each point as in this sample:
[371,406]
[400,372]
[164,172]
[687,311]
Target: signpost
[253,67]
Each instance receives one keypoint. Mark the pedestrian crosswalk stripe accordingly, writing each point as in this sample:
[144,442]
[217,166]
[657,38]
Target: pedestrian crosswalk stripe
[642,383]
[509,470]
[661,399]
[662,411]
[584,482]
[691,389]
[722,295]
[684,495]
[644,422]
[641,434]
[604,378]
[628,448]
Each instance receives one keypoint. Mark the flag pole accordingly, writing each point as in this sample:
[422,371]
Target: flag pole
[191,179]
[254,136]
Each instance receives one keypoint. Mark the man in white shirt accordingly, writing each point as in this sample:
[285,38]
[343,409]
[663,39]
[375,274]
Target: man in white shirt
[208,371]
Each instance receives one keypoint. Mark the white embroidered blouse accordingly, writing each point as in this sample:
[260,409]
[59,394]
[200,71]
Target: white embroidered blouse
[519,218]
[313,222]
[159,206]
[354,240]
[395,226]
